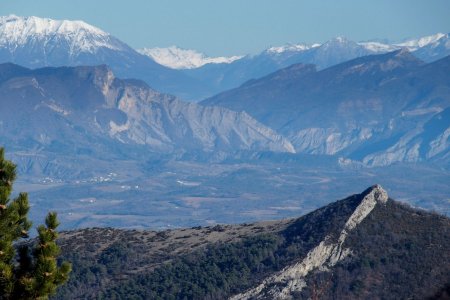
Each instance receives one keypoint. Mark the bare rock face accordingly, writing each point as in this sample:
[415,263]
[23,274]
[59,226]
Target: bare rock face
[166,123]
[324,256]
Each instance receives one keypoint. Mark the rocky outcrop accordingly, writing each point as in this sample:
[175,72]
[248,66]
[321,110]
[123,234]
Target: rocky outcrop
[325,255]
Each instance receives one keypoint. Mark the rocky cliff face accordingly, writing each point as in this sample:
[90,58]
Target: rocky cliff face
[79,105]
[166,123]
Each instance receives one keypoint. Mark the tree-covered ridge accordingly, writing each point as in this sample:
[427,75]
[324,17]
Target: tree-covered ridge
[27,270]
[223,270]
[102,257]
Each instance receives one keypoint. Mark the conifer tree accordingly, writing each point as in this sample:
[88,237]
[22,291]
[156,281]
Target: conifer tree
[27,270]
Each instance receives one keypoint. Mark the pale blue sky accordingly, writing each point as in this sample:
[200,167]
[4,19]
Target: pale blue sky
[244,26]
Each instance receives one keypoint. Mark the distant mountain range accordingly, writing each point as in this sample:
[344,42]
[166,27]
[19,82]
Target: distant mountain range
[377,109]
[36,42]
[366,246]
[224,76]
[334,51]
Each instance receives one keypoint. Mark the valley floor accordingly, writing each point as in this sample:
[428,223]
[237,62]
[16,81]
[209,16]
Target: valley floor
[185,194]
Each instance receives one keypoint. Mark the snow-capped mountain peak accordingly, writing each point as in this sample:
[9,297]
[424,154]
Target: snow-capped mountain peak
[290,48]
[415,44]
[42,26]
[81,37]
[377,47]
[339,41]
[178,58]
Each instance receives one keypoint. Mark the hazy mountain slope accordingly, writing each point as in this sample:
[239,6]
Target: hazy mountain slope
[373,109]
[366,246]
[89,110]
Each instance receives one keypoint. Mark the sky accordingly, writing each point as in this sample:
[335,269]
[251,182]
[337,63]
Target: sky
[235,27]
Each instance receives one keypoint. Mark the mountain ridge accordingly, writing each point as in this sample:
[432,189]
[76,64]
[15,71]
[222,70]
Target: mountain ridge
[333,52]
[366,234]
[424,43]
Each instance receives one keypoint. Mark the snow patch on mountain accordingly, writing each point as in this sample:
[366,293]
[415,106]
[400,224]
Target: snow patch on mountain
[377,47]
[291,48]
[440,145]
[177,58]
